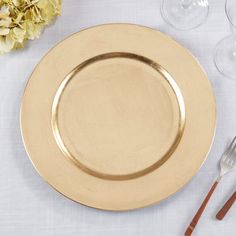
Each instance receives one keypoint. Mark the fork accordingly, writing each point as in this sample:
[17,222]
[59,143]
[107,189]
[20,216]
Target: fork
[227,163]
[224,210]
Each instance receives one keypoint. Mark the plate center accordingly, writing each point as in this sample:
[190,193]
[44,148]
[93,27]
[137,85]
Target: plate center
[118,116]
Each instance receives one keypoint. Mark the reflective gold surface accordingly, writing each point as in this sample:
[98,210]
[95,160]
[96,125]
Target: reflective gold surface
[118,117]
[121,119]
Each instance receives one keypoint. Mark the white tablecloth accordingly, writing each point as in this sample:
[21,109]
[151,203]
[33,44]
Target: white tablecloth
[29,206]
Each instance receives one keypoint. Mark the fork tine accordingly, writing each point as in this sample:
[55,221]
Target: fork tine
[232,147]
[231,144]
[228,159]
[234,155]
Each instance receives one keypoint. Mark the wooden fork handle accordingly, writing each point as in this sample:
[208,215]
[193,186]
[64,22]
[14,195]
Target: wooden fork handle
[221,214]
[196,218]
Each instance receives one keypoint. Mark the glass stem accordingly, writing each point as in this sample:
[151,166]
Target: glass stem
[186,3]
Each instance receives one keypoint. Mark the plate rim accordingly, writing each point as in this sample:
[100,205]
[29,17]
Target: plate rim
[148,204]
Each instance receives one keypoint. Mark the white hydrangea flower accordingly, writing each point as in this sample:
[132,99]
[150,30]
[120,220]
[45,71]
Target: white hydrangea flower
[21,20]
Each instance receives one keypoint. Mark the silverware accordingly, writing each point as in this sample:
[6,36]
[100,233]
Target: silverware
[221,214]
[227,163]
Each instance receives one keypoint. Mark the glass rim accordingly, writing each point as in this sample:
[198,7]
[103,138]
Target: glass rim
[228,15]
[228,77]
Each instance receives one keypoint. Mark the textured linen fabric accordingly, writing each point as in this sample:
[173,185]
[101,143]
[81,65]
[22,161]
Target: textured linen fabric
[29,206]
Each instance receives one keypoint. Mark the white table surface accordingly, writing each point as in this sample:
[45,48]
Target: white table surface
[29,206]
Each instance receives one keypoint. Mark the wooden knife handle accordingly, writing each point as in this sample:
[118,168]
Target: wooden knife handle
[196,218]
[221,214]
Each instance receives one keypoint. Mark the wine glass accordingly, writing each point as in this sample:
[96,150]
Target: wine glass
[185,14]
[225,52]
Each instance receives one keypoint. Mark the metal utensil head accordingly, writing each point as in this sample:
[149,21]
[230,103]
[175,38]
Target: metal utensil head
[228,159]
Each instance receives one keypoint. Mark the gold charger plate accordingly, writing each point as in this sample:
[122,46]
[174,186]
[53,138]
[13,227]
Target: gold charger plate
[118,117]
